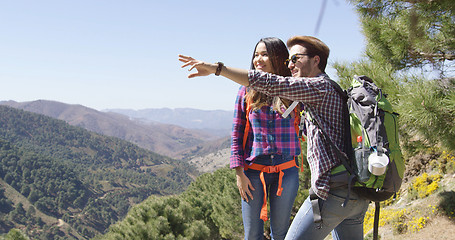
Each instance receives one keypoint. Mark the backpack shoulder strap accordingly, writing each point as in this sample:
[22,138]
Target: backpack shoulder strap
[290,108]
[247,124]
[340,154]
[346,154]
[337,87]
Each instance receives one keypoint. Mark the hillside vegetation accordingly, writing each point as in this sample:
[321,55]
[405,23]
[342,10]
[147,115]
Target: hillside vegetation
[209,209]
[60,181]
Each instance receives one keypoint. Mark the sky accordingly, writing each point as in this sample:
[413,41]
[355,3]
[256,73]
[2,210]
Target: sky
[107,54]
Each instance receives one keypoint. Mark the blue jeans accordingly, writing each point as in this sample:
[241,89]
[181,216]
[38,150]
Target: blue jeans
[280,206]
[346,222]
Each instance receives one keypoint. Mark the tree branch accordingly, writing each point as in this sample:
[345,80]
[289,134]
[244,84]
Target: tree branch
[438,55]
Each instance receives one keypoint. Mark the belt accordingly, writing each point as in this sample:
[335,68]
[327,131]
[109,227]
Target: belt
[270,169]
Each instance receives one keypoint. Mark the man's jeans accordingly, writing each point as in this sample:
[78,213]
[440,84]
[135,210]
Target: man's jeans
[346,222]
[280,206]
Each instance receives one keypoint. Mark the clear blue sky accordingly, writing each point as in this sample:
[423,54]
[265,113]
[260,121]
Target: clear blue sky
[123,54]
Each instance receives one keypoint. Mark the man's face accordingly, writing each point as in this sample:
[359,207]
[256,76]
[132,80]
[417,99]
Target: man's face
[304,66]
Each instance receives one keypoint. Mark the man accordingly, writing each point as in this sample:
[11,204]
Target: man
[310,85]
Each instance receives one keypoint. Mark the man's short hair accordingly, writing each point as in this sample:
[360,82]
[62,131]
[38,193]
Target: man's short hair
[314,47]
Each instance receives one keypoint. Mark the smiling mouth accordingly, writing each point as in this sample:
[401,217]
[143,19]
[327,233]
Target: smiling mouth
[260,66]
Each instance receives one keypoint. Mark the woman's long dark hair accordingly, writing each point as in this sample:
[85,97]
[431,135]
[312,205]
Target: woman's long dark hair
[278,53]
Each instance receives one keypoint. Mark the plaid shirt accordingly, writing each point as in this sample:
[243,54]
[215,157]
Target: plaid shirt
[318,95]
[269,133]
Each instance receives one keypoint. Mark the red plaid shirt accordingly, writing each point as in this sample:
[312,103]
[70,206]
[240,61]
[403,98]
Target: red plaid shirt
[326,104]
[269,133]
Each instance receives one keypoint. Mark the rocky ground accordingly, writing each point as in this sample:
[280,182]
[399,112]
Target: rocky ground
[212,161]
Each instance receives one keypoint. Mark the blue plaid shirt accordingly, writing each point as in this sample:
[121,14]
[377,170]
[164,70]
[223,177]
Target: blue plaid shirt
[326,104]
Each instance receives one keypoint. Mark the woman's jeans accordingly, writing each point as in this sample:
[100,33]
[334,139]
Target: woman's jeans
[346,222]
[280,206]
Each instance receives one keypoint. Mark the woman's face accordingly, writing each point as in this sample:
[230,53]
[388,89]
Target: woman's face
[261,60]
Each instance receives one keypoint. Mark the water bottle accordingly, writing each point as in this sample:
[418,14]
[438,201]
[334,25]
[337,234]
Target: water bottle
[361,157]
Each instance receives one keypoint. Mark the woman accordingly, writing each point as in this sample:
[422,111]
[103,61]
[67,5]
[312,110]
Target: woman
[261,137]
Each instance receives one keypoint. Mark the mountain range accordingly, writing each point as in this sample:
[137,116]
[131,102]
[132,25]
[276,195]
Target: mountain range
[218,122]
[177,133]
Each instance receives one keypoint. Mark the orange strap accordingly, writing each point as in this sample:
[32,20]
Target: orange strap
[270,169]
[247,125]
[297,130]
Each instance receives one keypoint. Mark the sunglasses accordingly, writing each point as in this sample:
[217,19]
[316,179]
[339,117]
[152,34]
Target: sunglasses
[294,58]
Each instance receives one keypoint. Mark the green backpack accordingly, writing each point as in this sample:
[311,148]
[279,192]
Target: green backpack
[372,128]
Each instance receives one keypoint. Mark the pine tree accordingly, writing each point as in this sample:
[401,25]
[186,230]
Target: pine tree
[15,234]
[410,54]
[410,33]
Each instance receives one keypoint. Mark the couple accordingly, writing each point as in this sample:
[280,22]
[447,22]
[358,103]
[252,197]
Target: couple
[271,140]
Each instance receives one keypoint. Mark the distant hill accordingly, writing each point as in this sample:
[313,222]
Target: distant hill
[213,121]
[63,182]
[159,135]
